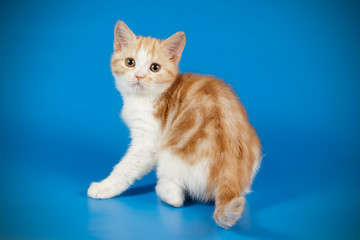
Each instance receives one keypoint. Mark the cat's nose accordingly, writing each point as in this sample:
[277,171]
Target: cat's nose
[138,77]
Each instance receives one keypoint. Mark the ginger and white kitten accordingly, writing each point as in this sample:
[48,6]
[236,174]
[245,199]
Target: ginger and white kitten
[191,127]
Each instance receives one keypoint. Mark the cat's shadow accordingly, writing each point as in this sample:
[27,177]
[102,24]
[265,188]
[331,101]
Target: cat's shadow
[139,190]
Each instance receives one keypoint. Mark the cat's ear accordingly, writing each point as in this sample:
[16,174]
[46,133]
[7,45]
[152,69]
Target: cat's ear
[174,45]
[123,36]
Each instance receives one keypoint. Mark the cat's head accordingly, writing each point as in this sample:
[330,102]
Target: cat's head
[144,65]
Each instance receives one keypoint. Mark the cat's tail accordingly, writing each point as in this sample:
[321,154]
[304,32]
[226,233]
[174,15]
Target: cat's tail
[231,175]
[227,214]
[229,199]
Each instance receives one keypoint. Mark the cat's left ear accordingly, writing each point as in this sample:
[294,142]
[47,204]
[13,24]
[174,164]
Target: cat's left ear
[174,46]
[123,36]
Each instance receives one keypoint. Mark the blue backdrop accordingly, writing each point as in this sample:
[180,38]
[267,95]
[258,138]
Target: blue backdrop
[294,64]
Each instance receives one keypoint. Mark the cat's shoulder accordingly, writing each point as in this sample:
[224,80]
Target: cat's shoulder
[195,77]
[199,81]
[198,84]
[191,90]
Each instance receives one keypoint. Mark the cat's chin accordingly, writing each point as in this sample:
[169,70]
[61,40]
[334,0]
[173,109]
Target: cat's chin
[138,87]
[137,84]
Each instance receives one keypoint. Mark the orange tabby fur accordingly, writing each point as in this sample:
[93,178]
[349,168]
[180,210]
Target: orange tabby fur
[202,118]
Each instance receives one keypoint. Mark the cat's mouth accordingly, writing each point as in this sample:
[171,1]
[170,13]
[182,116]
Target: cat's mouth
[138,85]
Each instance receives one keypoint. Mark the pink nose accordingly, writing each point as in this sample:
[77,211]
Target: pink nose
[139,77]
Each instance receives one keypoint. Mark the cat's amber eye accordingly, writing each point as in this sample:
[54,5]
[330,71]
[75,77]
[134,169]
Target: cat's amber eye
[155,67]
[129,62]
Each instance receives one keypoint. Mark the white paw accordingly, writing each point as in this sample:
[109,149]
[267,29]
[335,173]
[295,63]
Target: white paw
[170,192]
[102,190]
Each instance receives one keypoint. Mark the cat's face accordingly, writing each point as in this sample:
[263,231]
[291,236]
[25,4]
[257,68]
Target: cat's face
[144,65]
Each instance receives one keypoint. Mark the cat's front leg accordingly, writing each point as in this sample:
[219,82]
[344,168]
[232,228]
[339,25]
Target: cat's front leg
[138,161]
[104,189]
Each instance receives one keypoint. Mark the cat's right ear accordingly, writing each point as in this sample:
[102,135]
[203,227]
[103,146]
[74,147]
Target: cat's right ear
[174,46]
[123,36]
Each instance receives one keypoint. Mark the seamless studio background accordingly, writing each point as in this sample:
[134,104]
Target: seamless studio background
[294,65]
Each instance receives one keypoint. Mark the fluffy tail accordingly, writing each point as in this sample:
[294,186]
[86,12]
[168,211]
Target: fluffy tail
[232,182]
[226,215]
[236,162]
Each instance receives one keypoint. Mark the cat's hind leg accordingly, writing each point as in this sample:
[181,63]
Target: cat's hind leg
[170,185]
[170,192]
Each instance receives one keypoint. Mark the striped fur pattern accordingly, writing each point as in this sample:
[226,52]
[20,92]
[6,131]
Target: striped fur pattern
[191,127]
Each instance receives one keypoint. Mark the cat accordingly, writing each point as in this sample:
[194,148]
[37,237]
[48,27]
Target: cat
[191,127]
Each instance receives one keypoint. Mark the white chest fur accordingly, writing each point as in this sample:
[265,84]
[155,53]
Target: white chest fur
[138,114]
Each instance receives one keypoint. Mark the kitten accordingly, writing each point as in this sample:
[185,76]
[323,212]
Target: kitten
[191,127]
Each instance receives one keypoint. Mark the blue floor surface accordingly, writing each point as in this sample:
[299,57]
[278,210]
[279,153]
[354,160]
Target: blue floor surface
[295,66]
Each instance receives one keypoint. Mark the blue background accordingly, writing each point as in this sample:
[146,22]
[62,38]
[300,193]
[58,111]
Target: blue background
[294,64]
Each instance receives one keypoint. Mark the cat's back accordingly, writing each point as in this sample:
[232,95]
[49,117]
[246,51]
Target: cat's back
[197,96]
[198,110]
[196,87]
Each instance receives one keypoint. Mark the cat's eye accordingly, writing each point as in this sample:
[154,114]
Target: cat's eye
[155,67]
[129,62]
